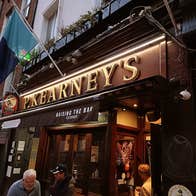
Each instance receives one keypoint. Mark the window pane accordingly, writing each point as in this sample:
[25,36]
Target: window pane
[51,27]
[26,7]
[26,12]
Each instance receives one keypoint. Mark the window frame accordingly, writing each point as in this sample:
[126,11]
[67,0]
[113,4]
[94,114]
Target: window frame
[51,27]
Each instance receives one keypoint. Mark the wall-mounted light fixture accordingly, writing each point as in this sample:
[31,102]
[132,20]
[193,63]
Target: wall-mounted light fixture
[184,95]
[77,53]
[73,57]
[139,11]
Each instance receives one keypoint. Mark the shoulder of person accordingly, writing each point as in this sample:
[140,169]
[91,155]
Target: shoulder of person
[37,183]
[145,192]
[17,183]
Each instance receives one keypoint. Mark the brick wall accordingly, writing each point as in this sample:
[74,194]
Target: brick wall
[177,64]
[7,6]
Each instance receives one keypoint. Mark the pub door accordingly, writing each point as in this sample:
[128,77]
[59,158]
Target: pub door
[79,150]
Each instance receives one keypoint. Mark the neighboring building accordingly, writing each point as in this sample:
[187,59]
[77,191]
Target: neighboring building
[28,9]
[121,93]
[6,7]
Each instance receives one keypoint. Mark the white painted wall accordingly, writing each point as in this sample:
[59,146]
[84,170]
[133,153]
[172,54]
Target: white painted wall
[69,11]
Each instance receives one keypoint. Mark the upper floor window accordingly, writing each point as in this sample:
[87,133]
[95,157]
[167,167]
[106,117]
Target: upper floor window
[51,30]
[26,7]
[104,2]
[50,16]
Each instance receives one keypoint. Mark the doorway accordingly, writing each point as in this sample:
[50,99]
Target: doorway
[82,150]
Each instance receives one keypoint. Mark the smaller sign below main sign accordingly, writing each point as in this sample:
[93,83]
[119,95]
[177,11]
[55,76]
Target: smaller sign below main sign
[71,113]
[87,112]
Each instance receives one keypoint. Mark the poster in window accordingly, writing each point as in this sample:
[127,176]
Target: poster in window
[125,157]
[81,144]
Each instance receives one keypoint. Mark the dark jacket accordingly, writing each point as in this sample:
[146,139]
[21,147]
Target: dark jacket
[63,188]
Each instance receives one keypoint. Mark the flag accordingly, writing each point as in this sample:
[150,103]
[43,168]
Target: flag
[17,40]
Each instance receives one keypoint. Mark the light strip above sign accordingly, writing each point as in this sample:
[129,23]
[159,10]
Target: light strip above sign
[129,51]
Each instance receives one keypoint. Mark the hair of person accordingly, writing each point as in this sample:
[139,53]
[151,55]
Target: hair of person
[28,173]
[144,169]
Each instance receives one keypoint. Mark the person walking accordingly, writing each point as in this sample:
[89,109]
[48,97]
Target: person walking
[27,186]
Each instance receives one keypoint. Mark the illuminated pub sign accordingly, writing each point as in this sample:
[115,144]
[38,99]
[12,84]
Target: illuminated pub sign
[104,75]
[95,80]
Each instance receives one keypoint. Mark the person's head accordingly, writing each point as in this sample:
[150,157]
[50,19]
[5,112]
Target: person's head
[144,171]
[59,172]
[29,178]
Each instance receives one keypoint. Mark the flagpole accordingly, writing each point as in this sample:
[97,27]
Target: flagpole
[14,88]
[37,38]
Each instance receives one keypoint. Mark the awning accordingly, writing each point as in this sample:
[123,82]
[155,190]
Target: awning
[82,112]
[11,124]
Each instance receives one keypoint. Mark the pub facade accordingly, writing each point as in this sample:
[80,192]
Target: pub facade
[129,100]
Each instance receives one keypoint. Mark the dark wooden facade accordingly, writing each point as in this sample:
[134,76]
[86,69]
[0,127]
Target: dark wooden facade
[164,74]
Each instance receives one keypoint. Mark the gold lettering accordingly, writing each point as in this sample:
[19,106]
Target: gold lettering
[129,67]
[52,95]
[34,100]
[62,91]
[26,102]
[76,86]
[92,81]
[108,74]
[43,97]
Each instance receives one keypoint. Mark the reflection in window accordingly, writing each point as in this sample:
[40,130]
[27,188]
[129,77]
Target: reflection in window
[26,7]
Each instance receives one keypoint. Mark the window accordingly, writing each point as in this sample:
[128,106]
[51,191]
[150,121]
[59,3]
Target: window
[7,84]
[51,30]
[50,16]
[26,7]
[104,2]
[8,14]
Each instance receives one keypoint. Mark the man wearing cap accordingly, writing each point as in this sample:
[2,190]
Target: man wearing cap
[63,184]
